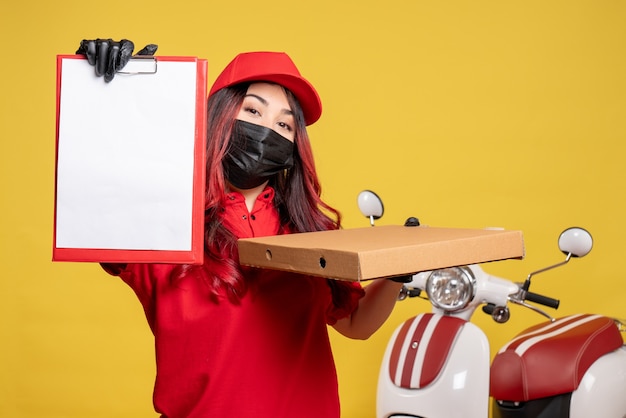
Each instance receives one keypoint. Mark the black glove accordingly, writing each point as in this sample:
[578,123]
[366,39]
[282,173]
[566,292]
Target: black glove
[401,279]
[109,56]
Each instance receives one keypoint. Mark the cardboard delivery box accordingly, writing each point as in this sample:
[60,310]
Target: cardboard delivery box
[380,251]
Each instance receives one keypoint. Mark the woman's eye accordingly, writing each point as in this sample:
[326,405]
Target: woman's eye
[252,110]
[285,126]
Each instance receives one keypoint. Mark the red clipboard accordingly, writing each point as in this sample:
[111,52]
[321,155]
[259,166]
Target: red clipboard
[130,162]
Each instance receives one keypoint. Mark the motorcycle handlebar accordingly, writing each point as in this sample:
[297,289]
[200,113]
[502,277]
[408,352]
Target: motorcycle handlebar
[543,300]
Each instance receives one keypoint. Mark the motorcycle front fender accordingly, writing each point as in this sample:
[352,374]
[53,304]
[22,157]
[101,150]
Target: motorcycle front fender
[460,389]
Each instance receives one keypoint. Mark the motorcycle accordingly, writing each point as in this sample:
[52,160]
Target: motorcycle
[437,364]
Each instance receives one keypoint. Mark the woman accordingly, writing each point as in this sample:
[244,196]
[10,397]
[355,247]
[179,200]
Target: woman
[233,341]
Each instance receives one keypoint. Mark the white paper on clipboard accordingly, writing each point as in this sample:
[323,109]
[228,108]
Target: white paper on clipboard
[127,166]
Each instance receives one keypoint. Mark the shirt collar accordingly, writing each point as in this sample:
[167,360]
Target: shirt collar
[266,196]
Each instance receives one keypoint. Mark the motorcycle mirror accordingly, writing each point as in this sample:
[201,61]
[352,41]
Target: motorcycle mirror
[576,242]
[573,242]
[370,205]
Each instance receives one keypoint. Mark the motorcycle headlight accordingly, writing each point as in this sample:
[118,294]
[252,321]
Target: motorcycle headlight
[450,289]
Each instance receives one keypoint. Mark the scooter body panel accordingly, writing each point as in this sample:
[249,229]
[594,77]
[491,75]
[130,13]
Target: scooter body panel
[602,391]
[460,390]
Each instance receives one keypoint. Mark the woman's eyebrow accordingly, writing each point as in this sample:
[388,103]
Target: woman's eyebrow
[259,98]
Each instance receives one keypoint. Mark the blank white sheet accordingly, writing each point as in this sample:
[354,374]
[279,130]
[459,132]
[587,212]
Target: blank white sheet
[125,157]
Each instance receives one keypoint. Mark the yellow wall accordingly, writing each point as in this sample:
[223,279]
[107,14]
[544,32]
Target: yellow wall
[462,113]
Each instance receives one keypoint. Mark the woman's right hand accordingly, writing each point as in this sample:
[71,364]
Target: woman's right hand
[109,56]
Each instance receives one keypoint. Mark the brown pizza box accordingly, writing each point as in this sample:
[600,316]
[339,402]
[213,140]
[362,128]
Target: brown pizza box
[380,251]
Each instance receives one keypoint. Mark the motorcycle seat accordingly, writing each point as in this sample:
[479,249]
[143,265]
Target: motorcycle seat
[551,358]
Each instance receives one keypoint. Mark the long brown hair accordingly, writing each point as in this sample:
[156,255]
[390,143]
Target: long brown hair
[297,198]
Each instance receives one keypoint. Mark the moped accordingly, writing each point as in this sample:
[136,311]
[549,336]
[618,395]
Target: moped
[437,364]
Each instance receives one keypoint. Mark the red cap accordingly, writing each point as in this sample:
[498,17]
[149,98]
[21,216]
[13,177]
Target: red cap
[274,67]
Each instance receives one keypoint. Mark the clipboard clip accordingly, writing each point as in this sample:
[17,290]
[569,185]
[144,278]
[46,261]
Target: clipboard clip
[140,64]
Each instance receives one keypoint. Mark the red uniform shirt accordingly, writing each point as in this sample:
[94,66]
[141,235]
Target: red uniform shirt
[268,356]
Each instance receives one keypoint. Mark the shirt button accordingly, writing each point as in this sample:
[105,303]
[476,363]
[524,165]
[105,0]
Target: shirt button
[244,217]
[253,217]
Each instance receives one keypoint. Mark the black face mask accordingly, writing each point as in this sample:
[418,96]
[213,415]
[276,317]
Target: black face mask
[256,154]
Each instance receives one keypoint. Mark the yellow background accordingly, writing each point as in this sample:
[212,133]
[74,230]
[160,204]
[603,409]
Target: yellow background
[462,113]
